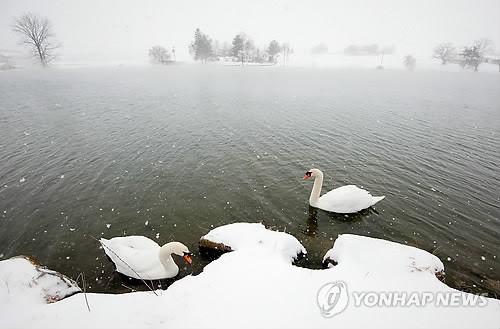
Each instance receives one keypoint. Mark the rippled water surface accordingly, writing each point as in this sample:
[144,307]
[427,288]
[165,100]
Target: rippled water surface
[170,153]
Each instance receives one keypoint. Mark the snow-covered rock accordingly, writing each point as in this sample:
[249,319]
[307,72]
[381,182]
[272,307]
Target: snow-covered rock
[253,236]
[357,252]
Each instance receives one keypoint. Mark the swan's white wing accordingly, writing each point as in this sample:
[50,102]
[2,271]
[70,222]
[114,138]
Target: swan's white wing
[135,256]
[134,241]
[346,199]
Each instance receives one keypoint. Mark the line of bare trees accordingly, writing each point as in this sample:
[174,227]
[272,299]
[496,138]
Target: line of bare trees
[470,57]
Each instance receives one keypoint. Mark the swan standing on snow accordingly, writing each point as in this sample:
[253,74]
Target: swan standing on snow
[345,200]
[142,258]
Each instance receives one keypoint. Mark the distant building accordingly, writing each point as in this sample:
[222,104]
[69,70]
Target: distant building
[10,59]
[5,63]
[492,59]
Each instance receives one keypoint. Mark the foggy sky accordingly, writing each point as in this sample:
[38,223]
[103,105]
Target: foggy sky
[128,28]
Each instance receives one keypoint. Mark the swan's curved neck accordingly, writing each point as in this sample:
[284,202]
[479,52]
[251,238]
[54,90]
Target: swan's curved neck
[165,255]
[316,191]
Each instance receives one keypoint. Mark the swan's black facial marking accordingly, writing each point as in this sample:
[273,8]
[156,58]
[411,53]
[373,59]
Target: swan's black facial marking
[308,175]
[187,253]
[187,257]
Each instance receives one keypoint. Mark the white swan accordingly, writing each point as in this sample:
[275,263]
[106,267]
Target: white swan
[345,200]
[142,258]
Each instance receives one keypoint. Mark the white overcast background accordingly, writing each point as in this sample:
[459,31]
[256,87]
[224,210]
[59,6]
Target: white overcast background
[126,29]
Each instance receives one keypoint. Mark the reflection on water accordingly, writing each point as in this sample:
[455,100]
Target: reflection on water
[311,228]
[171,153]
[312,220]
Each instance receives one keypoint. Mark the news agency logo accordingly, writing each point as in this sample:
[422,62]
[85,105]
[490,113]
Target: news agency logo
[333,298]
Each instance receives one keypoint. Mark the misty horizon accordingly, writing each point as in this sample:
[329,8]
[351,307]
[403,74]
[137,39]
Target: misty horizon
[126,30]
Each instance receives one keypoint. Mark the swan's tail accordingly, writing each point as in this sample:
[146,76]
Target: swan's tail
[376,199]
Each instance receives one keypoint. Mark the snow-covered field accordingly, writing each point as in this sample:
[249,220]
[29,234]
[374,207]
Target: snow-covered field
[256,285]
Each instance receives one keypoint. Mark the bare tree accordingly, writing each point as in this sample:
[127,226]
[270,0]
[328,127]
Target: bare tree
[37,34]
[159,55]
[410,62]
[473,56]
[444,52]
[483,45]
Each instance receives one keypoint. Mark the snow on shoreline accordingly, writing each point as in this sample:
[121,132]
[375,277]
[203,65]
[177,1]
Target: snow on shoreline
[256,286]
[296,60]
[20,274]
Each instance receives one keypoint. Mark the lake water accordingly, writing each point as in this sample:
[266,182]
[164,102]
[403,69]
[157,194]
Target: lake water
[171,152]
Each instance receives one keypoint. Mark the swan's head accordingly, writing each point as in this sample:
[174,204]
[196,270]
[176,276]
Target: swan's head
[177,248]
[313,173]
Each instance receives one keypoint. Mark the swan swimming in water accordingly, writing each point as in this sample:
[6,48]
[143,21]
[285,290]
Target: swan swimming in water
[344,200]
[142,258]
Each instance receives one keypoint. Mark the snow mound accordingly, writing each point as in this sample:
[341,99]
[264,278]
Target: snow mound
[380,256]
[253,236]
[22,279]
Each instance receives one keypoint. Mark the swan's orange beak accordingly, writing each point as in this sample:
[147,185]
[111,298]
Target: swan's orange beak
[188,259]
[308,175]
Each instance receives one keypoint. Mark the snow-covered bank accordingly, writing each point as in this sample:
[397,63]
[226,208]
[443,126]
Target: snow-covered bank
[298,60]
[25,281]
[256,285]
